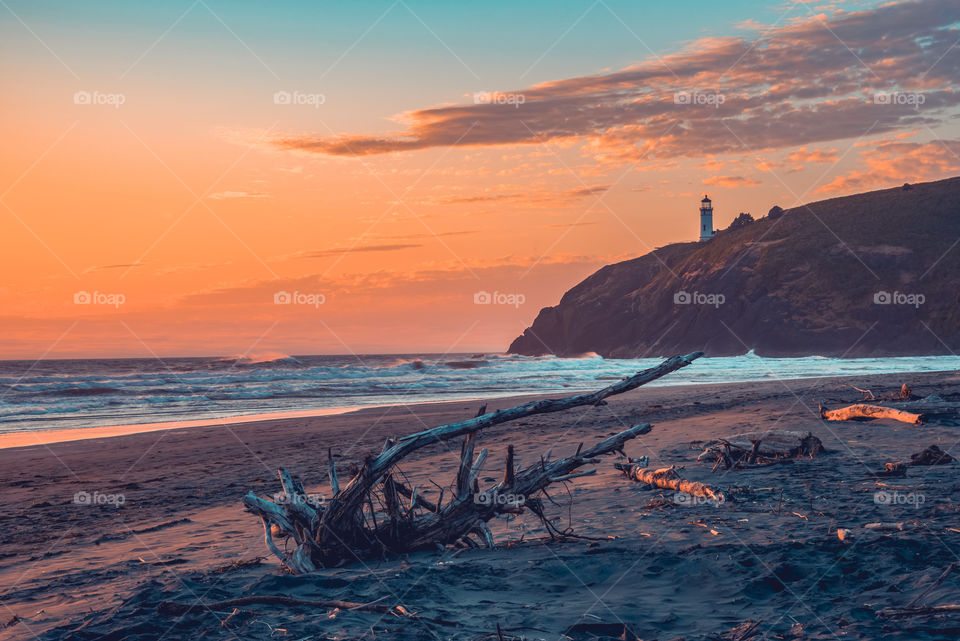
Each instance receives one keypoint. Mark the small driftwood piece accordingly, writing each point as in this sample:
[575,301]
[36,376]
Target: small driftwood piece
[366,518]
[865,411]
[759,449]
[666,478]
[893,469]
[922,610]
[178,609]
[914,608]
[933,455]
[867,394]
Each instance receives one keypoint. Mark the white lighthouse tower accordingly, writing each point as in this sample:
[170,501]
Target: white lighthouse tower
[706,219]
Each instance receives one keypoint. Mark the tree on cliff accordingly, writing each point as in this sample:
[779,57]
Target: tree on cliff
[740,221]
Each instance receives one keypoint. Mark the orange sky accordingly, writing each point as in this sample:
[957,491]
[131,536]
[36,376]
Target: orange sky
[185,210]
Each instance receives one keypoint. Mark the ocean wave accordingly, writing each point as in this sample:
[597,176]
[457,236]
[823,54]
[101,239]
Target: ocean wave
[82,393]
[258,359]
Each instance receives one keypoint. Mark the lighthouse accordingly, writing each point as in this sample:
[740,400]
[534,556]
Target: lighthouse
[706,219]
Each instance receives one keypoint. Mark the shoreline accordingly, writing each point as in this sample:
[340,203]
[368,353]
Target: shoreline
[106,564]
[27,438]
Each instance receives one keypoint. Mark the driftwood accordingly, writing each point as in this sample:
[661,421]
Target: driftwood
[933,455]
[914,608]
[366,518]
[176,608]
[923,610]
[899,526]
[863,410]
[891,470]
[666,478]
[758,449]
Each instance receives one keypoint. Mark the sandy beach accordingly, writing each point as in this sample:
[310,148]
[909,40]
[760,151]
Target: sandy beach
[97,532]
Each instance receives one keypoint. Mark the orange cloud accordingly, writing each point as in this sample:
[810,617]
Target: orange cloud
[893,162]
[731,181]
[814,155]
[536,198]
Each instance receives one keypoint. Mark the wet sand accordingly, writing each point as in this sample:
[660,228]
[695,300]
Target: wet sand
[95,532]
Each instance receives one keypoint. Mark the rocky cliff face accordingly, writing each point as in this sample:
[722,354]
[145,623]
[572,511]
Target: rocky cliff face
[866,275]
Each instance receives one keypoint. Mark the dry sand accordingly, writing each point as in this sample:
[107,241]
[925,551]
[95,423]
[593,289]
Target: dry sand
[97,570]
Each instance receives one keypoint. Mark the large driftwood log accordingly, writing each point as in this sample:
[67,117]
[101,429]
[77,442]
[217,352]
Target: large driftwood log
[366,518]
[863,410]
[756,449]
[666,478]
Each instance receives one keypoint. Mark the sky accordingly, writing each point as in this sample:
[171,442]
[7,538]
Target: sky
[227,178]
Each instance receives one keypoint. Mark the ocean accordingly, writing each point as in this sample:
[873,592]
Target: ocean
[57,394]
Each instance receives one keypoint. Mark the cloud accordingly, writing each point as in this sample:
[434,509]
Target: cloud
[731,181]
[100,268]
[897,162]
[536,197]
[814,155]
[234,195]
[742,94]
[357,249]
[582,223]
[427,235]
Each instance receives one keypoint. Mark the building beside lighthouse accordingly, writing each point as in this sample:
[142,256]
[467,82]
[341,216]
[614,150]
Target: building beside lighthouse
[706,219]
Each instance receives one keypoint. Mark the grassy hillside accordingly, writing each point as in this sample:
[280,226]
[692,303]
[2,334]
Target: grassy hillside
[803,283]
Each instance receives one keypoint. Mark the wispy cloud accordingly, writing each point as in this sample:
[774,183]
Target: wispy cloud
[817,156]
[359,249]
[235,195]
[101,268]
[731,181]
[533,197]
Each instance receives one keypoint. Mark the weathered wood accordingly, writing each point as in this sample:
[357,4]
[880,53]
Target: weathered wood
[863,410]
[332,470]
[920,597]
[929,406]
[926,610]
[339,531]
[666,478]
[891,470]
[758,449]
[201,607]
[173,607]
[933,455]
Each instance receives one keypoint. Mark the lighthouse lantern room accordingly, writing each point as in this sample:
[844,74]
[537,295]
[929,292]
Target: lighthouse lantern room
[706,219]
